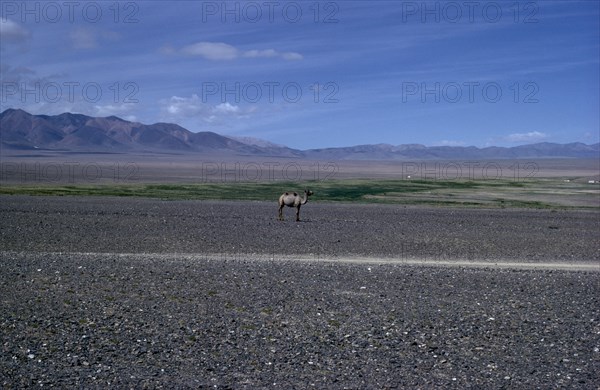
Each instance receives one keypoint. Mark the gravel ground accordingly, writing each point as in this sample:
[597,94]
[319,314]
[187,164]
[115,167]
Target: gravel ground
[134,293]
[134,225]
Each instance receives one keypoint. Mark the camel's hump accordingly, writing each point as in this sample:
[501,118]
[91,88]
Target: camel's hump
[293,193]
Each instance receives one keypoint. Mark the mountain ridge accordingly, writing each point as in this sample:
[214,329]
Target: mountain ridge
[20,130]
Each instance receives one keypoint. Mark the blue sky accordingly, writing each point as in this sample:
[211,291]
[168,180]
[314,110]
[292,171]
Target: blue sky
[311,74]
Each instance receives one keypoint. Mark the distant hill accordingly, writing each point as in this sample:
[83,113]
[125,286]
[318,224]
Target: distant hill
[20,130]
[416,151]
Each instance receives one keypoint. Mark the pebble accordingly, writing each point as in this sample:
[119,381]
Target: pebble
[214,321]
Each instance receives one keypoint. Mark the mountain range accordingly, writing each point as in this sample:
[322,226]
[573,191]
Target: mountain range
[20,130]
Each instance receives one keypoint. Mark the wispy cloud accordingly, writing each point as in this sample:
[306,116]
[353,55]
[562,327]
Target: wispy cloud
[451,143]
[219,51]
[15,75]
[367,55]
[123,110]
[179,108]
[532,136]
[270,53]
[214,51]
[82,38]
[12,32]
[87,38]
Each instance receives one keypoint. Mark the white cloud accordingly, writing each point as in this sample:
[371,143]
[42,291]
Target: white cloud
[123,110]
[15,75]
[591,137]
[11,32]
[86,38]
[183,107]
[178,109]
[82,38]
[271,53]
[532,136]
[260,53]
[211,50]
[226,108]
[451,143]
[219,51]
[291,56]
[167,50]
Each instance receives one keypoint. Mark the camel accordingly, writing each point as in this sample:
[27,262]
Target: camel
[292,199]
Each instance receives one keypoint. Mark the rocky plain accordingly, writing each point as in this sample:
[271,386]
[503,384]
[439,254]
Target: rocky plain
[104,292]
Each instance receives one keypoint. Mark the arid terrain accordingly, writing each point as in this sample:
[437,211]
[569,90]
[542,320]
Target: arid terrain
[136,292]
[450,150]
[55,167]
[172,288]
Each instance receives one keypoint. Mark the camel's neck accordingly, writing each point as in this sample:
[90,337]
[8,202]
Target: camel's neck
[305,199]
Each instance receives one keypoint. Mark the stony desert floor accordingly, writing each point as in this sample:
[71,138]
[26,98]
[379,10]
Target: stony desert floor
[131,292]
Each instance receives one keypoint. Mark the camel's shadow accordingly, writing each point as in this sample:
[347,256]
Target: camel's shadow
[290,221]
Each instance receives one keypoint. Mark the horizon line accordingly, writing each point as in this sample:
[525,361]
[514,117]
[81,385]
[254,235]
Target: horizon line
[233,137]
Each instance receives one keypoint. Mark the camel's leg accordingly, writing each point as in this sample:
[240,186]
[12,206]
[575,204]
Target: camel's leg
[297,213]
[281,212]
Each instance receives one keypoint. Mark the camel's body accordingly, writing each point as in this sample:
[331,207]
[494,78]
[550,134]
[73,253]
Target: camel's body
[292,199]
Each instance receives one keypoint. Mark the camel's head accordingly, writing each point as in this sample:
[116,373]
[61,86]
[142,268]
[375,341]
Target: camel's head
[308,192]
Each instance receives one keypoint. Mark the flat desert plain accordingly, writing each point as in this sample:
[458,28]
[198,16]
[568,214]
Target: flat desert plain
[134,292]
